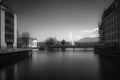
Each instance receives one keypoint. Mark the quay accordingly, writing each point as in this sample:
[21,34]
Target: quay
[110,52]
[8,56]
[3,51]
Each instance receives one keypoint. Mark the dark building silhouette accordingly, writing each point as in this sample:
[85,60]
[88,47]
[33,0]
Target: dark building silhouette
[109,28]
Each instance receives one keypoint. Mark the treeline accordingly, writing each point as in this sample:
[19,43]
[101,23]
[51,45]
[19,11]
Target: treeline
[54,42]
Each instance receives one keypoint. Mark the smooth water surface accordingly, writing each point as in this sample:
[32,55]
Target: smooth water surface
[58,65]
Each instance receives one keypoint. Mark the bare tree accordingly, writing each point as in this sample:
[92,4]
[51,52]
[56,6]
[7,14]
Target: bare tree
[51,41]
[63,42]
[25,34]
[25,39]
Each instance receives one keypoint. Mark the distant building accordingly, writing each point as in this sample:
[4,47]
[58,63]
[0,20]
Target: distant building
[109,28]
[33,42]
[8,27]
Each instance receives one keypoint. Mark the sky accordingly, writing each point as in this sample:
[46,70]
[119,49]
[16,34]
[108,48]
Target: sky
[62,19]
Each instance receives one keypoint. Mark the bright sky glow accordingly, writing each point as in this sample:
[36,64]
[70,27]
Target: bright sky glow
[57,18]
[86,33]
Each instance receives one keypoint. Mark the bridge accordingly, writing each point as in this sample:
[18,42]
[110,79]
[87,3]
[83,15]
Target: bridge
[63,48]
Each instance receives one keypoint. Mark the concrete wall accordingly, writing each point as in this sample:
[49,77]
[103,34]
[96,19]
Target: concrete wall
[2,30]
[15,31]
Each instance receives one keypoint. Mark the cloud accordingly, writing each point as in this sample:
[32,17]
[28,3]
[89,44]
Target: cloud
[86,33]
[90,31]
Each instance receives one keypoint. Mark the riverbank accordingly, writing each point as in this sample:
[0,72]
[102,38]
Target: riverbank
[107,52]
[2,51]
[8,56]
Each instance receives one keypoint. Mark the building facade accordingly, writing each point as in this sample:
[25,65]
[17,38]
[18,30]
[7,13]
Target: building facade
[8,27]
[33,42]
[109,28]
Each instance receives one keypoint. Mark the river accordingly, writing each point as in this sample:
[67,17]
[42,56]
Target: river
[59,65]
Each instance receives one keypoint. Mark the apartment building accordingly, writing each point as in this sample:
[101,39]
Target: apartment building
[8,27]
[109,28]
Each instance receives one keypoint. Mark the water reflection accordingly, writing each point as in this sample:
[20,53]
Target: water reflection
[7,74]
[15,72]
[58,65]
[109,68]
[3,75]
[68,65]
